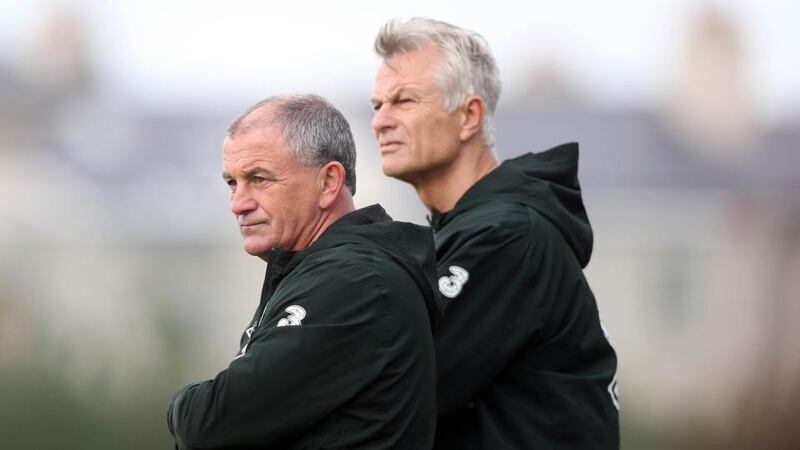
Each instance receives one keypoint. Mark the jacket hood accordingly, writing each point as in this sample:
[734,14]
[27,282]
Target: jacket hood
[546,182]
[410,246]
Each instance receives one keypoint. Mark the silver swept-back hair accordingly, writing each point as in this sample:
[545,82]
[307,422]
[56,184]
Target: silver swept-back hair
[315,131]
[467,68]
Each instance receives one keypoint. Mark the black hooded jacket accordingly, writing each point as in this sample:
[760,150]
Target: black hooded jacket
[522,359]
[339,353]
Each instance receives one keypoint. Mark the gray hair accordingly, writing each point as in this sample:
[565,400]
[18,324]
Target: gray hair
[468,67]
[315,131]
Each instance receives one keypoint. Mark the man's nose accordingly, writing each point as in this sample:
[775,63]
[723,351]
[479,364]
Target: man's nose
[242,201]
[382,120]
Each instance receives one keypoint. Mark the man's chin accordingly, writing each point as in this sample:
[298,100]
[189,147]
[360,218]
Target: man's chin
[398,173]
[392,170]
[261,251]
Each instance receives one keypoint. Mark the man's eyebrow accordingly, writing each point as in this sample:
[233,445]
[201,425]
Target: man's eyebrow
[392,95]
[249,172]
[258,170]
[373,100]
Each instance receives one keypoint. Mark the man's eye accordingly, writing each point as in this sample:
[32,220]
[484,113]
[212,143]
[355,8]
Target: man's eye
[231,184]
[376,106]
[258,179]
[405,100]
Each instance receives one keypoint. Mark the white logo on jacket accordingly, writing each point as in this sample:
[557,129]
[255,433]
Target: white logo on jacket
[296,314]
[249,333]
[451,286]
[613,391]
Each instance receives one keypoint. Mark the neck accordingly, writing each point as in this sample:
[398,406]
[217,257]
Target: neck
[441,188]
[328,216]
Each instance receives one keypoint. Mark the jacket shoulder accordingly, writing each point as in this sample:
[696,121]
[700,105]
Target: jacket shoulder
[501,218]
[357,271]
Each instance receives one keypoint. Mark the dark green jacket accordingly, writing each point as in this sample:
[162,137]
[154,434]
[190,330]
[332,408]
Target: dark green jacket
[339,354]
[523,362]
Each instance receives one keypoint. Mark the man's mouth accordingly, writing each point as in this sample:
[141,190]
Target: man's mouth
[249,226]
[390,146]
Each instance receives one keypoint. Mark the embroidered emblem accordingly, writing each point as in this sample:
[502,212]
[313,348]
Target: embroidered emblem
[296,314]
[451,286]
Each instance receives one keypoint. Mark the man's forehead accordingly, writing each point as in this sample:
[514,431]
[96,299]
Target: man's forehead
[423,59]
[405,72]
[249,147]
[251,137]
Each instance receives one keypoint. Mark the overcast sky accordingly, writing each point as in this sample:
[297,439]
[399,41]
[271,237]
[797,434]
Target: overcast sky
[617,52]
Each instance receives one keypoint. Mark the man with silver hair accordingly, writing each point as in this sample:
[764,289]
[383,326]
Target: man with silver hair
[339,353]
[522,359]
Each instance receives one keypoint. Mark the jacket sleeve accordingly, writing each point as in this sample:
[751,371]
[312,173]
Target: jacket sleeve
[497,285]
[295,371]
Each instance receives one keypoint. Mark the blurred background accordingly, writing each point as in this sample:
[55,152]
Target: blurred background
[122,276]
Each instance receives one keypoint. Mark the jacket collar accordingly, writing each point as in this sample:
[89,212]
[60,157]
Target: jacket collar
[283,261]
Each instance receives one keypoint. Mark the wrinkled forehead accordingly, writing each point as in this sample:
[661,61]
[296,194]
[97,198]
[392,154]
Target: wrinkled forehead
[418,68]
[256,145]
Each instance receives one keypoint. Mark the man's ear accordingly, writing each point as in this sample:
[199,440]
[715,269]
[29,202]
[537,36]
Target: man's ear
[473,111]
[330,183]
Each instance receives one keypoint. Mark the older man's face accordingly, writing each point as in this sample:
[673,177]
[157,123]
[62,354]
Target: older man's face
[416,134]
[274,197]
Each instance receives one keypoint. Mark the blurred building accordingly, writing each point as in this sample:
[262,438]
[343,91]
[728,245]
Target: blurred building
[122,272]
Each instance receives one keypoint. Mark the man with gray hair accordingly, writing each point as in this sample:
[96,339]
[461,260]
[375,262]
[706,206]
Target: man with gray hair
[522,359]
[339,353]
